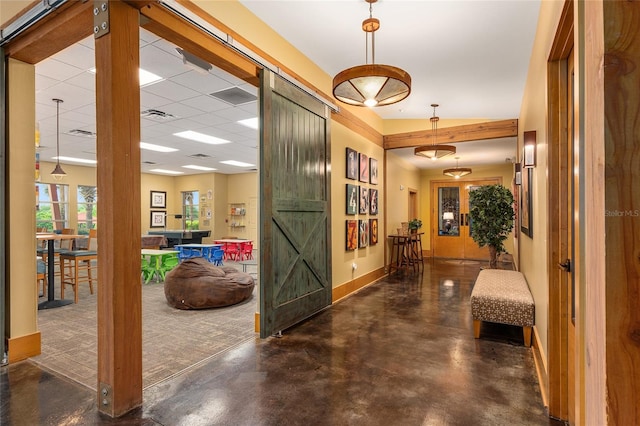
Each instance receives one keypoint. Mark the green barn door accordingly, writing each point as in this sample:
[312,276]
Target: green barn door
[295,250]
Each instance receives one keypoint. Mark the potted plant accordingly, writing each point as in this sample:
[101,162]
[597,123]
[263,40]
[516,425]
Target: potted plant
[491,218]
[414,225]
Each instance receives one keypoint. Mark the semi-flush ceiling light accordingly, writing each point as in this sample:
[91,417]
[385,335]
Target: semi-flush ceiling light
[237,163]
[146,78]
[57,172]
[371,84]
[435,151]
[250,122]
[77,160]
[457,172]
[168,172]
[201,137]
[196,167]
[157,148]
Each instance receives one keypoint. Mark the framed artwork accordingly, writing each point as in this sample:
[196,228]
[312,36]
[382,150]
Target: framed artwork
[351,235]
[364,200]
[373,231]
[373,201]
[526,203]
[364,168]
[363,233]
[373,171]
[352,198]
[157,219]
[352,164]
[158,200]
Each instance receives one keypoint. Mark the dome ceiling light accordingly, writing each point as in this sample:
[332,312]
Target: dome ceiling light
[371,84]
[434,151]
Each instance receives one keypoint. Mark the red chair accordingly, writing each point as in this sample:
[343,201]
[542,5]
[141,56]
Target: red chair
[246,252]
[232,251]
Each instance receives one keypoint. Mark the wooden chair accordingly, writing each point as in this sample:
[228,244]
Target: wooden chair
[75,261]
[41,269]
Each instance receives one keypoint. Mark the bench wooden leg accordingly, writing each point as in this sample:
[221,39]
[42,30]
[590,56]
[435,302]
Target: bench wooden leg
[476,328]
[526,331]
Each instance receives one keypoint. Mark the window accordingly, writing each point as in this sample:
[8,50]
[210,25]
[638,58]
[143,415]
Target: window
[52,208]
[87,208]
[190,210]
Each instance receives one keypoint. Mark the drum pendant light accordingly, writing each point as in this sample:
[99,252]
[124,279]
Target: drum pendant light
[371,84]
[434,151]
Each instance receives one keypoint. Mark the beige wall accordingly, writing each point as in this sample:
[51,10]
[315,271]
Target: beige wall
[502,171]
[533,251]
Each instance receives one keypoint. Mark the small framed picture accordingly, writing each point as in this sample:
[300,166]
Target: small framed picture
[364,168]
[157,219]
[373,231]
[158,200]
[352,164]
[373,201]
[373,171]
[364,200]
[363,233]
[352,199]
[352,235]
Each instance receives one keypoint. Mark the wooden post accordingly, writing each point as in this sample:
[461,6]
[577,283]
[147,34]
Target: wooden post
[118,153]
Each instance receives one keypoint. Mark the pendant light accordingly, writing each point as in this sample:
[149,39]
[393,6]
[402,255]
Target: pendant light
[58,173]
[457,172]
[434,151]
[371,84]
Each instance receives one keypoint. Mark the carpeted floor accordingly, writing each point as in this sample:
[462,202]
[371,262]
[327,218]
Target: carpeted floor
[69,341]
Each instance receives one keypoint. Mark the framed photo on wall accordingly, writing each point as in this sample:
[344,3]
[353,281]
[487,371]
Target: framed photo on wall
[158,200]
[352,198]
[373,171]
[526,201]
[373,231]
[157,219]
[363,233]
[352,164]
[364,168]
[373,201]
[364,200]
[351,237]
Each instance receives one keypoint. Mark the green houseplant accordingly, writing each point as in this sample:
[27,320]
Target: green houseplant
[491,215]
[414,225]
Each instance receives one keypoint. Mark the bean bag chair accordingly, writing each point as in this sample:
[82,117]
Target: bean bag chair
[197,284]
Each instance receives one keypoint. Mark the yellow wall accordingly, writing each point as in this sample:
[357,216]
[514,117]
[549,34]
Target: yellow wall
[368,258]
[502,171]
[242,188]
[533,251]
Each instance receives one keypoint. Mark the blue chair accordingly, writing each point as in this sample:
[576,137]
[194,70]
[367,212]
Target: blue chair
[216,257]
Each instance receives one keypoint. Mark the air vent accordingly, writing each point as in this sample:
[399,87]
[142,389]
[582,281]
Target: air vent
[157,115]
[80,132]
[200,156]
[234,96]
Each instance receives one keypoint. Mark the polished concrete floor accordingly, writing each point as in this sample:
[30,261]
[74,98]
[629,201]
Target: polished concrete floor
[398,352]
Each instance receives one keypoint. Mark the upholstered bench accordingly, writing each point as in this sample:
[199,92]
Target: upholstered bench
[502,297]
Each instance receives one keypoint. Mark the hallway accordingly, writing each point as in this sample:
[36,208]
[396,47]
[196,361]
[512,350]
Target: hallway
[399,352]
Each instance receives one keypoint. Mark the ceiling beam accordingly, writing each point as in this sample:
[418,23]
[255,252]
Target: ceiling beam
[464,133]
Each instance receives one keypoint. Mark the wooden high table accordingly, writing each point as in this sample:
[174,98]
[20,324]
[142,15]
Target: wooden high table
[51,301]
[406,251]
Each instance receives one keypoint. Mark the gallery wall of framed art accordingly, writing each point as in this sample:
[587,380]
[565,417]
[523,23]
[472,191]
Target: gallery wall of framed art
[361,200]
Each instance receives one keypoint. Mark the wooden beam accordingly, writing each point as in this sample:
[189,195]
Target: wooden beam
[67,25]
[465,133]
[118,154]
[353,123]
[174,29]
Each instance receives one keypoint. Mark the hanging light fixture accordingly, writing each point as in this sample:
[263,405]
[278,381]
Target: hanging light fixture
[457,172]
[434,151]
[58,173]
[371,84]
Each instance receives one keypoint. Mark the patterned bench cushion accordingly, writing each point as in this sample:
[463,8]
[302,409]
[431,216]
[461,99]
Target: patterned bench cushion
[503,297]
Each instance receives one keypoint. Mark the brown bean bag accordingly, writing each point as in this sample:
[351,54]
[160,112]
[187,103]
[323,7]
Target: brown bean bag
[197,284]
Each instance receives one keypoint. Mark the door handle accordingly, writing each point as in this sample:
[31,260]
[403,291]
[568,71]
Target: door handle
[565,266]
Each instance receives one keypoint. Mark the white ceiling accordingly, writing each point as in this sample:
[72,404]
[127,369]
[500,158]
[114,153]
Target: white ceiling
[471,57]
